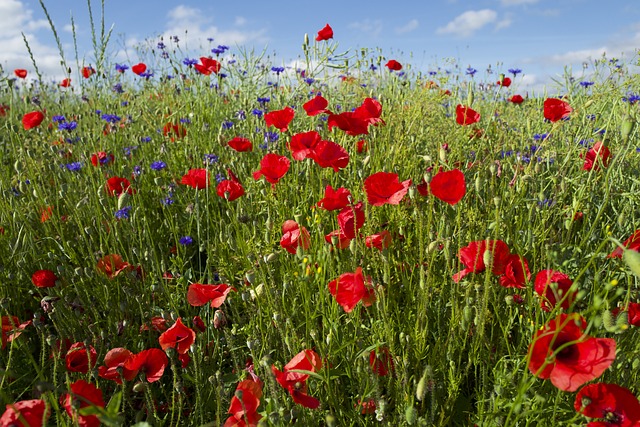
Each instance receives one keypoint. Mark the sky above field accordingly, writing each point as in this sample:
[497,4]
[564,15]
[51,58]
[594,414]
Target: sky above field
[540,37]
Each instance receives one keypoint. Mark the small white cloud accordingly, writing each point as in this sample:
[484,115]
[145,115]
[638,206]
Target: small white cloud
[240,21]
[504,22]
[517,2]
[372,28]
[408,27]
[469,22]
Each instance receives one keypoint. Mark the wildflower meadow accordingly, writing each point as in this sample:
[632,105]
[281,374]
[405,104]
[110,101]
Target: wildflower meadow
[222,240]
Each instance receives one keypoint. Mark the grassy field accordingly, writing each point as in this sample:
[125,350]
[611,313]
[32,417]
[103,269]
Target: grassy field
[225,240]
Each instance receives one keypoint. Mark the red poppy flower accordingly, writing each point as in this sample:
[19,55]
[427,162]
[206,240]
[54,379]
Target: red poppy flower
[10,329]
[139,68]
[3,110]
[240,144]
[325,33]
[474,254]
[633,313]
[448,186]
[609,405]
[350,288]
[303,145]
[632,243]
[466,116]
[296,382]
[199,294]
[20,72]
[379,241]
[516,99]
[381,361]
[26,413]
[44,279]
[563,352]
[351,219]
[335,199]
[83,394]
[556,109]
[101,158]
[152,362]
[598,155]
[32,120]
[328,154]
[516,272]
[65,82]
[294,236]
[361,146]
[230,189]
[207,66]
[88,72]
[370,110]
[393,65]
[273,167]
[114,369]
[116,186]
[157,323]
[317,105]
[504,82]
[196,178]
[112,265]
[80,359]
[349,123]
[177,336]
[384,187]
[177,130]
[553,287]
[244,409]
[280,119]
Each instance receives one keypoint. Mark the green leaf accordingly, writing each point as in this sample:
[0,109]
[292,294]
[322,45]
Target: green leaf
[113,407]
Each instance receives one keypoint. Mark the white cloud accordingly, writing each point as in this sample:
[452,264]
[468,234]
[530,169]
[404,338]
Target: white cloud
[517,2]
[469,22]
[198,27]
[408,27]
[240,20]
[504,22]
[15,19]
[372,28]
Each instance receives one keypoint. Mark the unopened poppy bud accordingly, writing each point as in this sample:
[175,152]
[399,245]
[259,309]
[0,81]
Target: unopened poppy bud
[496,201]
[632,259]
[608,320]
[271,257]
[412,192]
[352,246]
[493,169]
[421,389]
[442,153]
[139,387]
[622,322]
[219,319]
[487,258]
[330,420]
[622,219]
[626,128]
[410,414]
[306,39]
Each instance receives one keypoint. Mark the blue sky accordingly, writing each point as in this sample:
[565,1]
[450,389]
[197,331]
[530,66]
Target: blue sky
[540,37]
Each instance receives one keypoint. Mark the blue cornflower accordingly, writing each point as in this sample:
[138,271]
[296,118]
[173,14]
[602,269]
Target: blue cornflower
[121,68]
[227,124]
[189,62]
[591,116]
[631,98]
[58,119]
[514,71]
[158,165]
[147,74]
[123,213]
[241,115]
[129,150]
[217,51]
[210,39]
[433,73]
[175,39]
[145,139]
[117,88]
[74,166]
[264,100]
[373,67]
[257,112]
[167,201]
[534,148]
[211,158]
[540,136]
[546,203]
[223,47]
[110,118]
[185,240]
[586,84]
[600,131]
[471,71]
[68,126]
[161,45]
[137,170]
[309,81]
[271,136]
[220,177]
[277,70]
[185,120]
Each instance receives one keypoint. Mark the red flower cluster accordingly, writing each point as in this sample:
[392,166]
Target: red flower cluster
[295,382]
[309,145]
[245,403]
[294,236]
[199,294]
[351,288]
[121,364]
[44,279]
[357,122]
[562,352]
[513,269]
[79,358]
[598,155]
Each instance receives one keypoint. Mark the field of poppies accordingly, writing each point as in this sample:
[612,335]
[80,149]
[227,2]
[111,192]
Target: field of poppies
[347,241]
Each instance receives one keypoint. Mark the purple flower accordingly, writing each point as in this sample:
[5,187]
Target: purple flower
[122,68]
[74,166]
[186,240]
[68,126]
[158,165]
[111,118]
[471,71]
[123,213]
[189,62]
[514,71]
